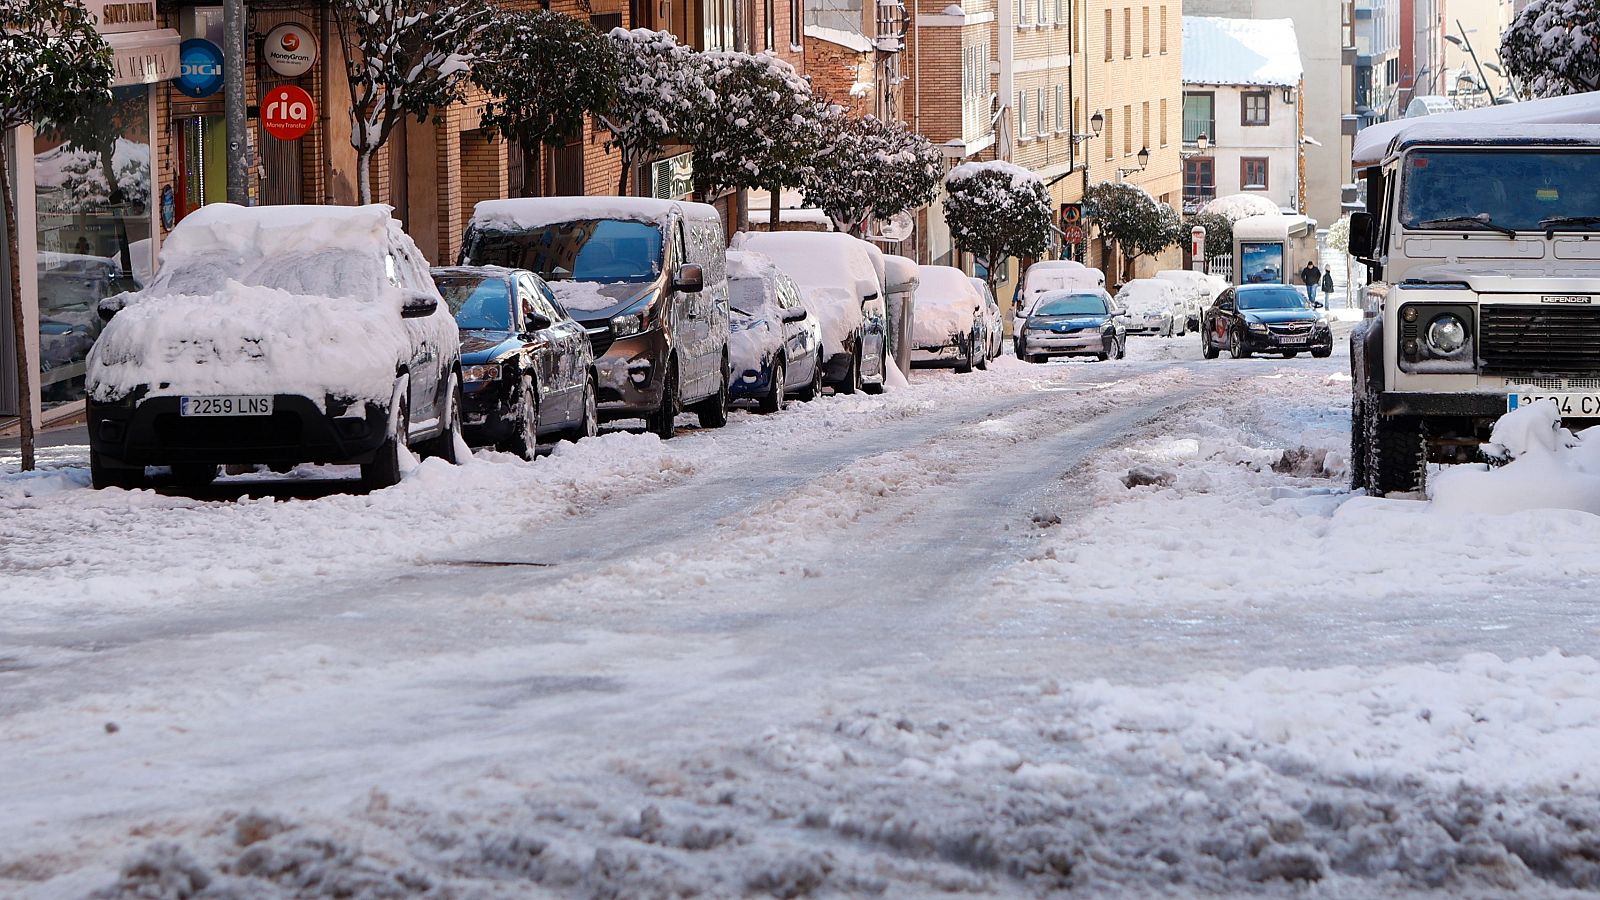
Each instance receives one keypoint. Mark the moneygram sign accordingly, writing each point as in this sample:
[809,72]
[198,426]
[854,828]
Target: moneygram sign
[199,68]
[290,50]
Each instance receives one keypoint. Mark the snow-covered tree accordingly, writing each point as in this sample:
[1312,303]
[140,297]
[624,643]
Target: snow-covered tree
[1219,232]
[402,58]
[55,67]
[753,125]
[996,211]
[1132,220]
[1339,235]
[868,168]
[545,71]
[1553,47]
[657,79]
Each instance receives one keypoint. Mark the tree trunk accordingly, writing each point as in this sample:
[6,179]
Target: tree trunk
[622,182]
[774,218]
[24,375]
[363,175]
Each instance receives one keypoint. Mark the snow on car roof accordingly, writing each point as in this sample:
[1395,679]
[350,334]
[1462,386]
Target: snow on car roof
[750,264]
[1240,51]
[537,212]
[946,286]
[900,272]
[818,258]
[1567,117]
[276,230]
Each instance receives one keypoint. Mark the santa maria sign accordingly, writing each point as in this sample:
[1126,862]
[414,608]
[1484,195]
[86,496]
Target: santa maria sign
[290,50]
[287,113]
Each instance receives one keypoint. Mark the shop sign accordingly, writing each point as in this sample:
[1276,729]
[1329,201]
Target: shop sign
[287,113]
[290,50]
[118,16]
[199,68]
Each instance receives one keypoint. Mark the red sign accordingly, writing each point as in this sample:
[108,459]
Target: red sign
[287,113]
[1072,235]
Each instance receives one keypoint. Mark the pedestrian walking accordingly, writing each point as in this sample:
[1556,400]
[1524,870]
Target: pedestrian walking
[1312,276]
[1327,287]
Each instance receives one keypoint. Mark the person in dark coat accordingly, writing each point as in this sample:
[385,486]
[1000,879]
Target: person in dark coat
[1312,276]
[1327,286]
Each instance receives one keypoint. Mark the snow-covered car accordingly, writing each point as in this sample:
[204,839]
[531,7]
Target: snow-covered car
[1153,306]
[948,328]
[776,344]
[276,335]
[994,322]
[527,370]
[1199,289]
[840,282]
[647,279]
[1073,323]
[1050,275]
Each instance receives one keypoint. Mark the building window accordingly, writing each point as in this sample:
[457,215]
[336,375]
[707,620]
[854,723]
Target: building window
[1043,14]
[1111,136]
[1127,130]
[1041,108]
[1199,180]
[1163,122]
[1163,31]
[1108,35]
[769,33]
[1198,117]
[1022,114]
[1127,32]
[1061,107]
[1253,174]
[1255,109]
[797,20]
[1146,26]
[1061,12]
[1024,12]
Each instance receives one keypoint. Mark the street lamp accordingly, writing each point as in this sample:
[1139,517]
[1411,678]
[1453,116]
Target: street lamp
[1097,124]
[1143,159]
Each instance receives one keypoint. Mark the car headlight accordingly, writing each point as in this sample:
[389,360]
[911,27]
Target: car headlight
[632,323]
[1259,327]
[1447,334]
[490,372]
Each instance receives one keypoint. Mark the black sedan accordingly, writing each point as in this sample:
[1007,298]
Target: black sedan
[1264,318]
[527,367]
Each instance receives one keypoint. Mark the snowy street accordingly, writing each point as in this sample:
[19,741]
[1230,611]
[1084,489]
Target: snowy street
[1117,627]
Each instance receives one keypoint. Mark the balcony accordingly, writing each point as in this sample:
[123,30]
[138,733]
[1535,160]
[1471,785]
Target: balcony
[1194,126]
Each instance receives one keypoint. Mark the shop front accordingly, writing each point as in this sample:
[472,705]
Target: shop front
[88,211]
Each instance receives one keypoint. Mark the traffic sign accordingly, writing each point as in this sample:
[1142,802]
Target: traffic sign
[1071,214]
[287,112]
[1072,235]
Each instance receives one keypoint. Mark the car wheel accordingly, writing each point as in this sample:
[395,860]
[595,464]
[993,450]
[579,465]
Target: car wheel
[983,358]
[443,446]
[965,365]
[590,425]
[1122,349]
[1322,354]
[1236,345]
[1358,443]
[1397,454]
[713,411]
[813,390]
[660,422]
[852,378]
[104,476]
[774,399]
[1038,359]
[384,469]
[525,441]
[194,475]
[1207,349]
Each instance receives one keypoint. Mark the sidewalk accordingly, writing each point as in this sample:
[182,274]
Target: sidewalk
[66,436]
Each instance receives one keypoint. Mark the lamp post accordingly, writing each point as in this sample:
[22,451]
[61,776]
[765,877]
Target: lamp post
[1143,158]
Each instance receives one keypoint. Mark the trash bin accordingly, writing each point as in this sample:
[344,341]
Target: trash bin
[900,285]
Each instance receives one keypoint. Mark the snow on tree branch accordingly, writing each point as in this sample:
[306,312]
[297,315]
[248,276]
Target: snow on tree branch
[1129,217]
[1553,47]
[54,65]
[755,123]
[870,168]
[658,79]
[996,211]
[545,72]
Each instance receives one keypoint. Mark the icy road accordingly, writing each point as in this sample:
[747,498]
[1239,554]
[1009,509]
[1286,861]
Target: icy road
[1118,629]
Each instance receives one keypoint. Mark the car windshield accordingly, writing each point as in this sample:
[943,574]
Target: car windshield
[1513,188]
[604,250]
[1272,298]
[1072,305]
[479,302]
[748,296]
[339,274]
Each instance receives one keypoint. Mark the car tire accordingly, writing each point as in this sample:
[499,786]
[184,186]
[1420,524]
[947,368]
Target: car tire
[443,445]
[1322,354]
[775,399]
[1038,359]
[965,365]
[813,390]
[661,422]
[525,442]
[194,475]
[103,476]
[384,469]
[1290,354]
[1122,349]
[713,410]
[1358,443]
[852,378]
[1236,348]
[1207,349]
[589,425]
[982,362]
[1397,454]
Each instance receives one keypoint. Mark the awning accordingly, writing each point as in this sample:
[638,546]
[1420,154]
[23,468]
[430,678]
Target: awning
[144,57]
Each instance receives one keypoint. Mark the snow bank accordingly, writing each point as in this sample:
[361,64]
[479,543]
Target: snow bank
[944,306]
[1550,468]
[250,340]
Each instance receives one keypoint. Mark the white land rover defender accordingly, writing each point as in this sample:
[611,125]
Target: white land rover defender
[1483,245]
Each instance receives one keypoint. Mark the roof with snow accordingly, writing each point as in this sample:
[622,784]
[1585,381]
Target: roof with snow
[1489,123]
[1240,51]
[848,39]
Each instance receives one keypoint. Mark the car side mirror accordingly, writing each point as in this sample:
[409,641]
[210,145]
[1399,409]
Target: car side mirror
[1362,237]
[689,279]
[109,307]
[418,305]
[795,314]
[537,322]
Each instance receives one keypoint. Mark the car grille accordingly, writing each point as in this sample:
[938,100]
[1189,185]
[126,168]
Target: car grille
[1539,339]
[600,339]
[1289,327]
[281,429]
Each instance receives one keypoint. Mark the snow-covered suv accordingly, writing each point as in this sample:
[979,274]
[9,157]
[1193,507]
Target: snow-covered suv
[276,336]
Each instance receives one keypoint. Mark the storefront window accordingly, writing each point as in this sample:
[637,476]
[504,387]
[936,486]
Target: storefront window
[93,193]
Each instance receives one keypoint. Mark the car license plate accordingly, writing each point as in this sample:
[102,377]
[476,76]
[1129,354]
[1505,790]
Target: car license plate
[1294,338]
[1576,405]
[225,406]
